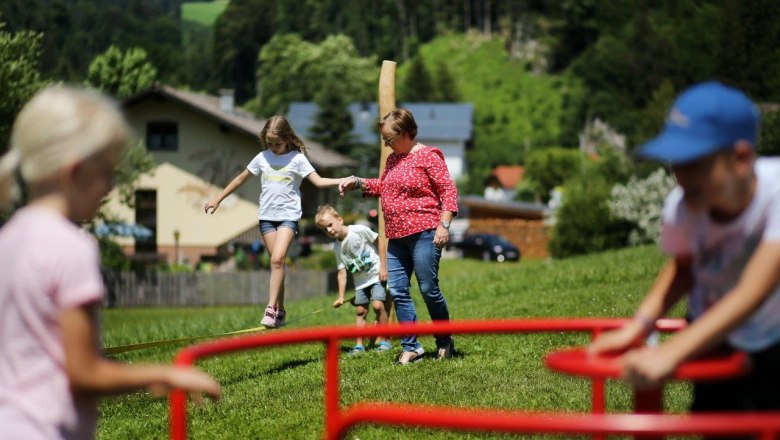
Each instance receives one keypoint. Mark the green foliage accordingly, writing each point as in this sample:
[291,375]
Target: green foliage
[492,371]
[747,55]
[446,87]
[295,70]
[242,29]
[197,35]
[585,224]
[319,260]
[19,75]
[769,142]
[75,31]
[333,122]
[551,167]
[612,165]
[652,117]
[121,73]
[111,256]
[135,162]
[418,86]
[515,111]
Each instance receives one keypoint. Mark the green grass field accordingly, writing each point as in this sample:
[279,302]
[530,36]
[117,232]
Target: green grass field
[204,13]
[277,393]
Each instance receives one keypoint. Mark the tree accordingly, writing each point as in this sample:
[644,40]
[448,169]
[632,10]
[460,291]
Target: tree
[283,65]
[19,75]
[333,123]
[240,32]
[551,167]
[295,70]
[121,74]
[446,88]
[75,31]
[418,85]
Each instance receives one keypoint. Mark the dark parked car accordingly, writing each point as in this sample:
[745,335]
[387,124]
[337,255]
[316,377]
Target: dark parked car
[488,247]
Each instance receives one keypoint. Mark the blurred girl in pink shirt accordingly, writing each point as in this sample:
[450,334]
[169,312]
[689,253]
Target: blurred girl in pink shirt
[64,145]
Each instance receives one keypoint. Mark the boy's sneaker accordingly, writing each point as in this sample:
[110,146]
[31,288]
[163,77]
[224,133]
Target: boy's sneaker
[356,350]
[384,346]
[281,315]
[269,320]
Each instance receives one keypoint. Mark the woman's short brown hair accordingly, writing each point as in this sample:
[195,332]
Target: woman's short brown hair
[401,122]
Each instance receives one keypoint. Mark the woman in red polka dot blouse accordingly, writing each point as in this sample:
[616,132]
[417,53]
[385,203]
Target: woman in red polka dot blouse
[419,199]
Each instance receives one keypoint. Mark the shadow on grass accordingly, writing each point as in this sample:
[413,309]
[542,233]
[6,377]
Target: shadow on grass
[275,370]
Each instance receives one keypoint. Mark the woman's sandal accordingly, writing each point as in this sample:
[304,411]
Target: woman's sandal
[446,352]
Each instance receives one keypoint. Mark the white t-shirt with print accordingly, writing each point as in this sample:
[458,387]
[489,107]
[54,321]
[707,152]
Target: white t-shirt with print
[721,251]
[280,183]
[49,265]
[358,255]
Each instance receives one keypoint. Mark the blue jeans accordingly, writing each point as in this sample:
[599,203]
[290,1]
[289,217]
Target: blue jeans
[416,253]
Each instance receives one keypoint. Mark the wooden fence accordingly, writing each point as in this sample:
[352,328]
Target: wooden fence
[129,289]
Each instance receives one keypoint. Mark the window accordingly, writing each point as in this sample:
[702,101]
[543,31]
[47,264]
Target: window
[146,215]
[162,136]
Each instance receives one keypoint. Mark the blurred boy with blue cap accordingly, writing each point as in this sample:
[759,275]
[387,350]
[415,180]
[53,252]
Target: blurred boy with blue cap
[721,228]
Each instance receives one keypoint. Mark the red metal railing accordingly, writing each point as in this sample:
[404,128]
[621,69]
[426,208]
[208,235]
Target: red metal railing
[338,421]
[765,425]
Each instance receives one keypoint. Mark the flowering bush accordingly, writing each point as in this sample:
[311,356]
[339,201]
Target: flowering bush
[640,202]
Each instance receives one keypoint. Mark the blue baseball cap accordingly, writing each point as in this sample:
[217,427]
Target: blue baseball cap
[706,118]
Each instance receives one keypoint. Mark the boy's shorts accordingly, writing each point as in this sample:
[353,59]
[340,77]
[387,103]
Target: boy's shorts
[376,291]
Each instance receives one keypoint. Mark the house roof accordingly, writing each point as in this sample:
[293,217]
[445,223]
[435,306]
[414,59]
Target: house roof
[480,207]
[435,120]
[509,175]
[239,120]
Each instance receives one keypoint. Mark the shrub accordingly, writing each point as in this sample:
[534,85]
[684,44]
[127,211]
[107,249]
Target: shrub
[319,260]
[550,167]
[640,202]
[584,222]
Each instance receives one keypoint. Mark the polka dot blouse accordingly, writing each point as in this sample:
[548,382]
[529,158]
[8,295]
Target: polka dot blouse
[415,188]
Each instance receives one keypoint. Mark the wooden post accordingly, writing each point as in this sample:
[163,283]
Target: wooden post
[386,105]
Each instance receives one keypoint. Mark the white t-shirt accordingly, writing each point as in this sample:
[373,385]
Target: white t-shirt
[358,255]
[721,252]
[280,184]
[48,265]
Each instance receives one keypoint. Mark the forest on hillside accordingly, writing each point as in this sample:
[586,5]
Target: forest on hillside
[548,79]
[628,55]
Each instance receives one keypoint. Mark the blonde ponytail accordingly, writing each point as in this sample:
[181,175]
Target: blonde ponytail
[59,126]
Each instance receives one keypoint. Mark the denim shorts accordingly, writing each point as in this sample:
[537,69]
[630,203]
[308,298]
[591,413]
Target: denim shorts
[376,291]
[267,226]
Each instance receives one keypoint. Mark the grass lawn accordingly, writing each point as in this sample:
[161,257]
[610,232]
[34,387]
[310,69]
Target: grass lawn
[277,393]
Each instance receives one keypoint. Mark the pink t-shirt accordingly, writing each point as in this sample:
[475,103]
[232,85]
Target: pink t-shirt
[47,265]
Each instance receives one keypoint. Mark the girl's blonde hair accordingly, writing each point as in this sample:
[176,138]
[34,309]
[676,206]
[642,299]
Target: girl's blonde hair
[59,126]
[279,126]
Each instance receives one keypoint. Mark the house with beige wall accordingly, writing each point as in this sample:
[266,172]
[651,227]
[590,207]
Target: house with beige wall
[199,143]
